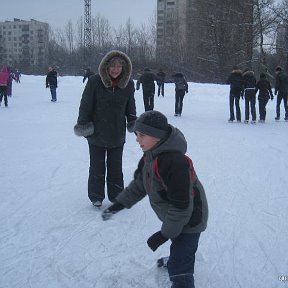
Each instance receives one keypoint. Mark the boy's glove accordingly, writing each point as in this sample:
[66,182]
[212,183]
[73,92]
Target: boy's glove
[272,97]
[156,240]
[113,209]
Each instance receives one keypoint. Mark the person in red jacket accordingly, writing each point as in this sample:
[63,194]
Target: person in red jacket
[4,77]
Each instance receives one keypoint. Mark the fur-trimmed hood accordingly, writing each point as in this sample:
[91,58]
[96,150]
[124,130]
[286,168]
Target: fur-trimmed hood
[248,73]
[126,69]
[236,71]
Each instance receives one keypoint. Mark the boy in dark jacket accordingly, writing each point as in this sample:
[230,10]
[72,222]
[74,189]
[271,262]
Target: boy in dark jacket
[160,82]
[281,90]
[51,82]
[176,195]
[107,107]
[236,85]
[148,86]
[181,87]
[265,93]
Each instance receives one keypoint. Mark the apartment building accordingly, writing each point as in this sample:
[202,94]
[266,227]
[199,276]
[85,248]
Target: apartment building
[171,27]
[23,44]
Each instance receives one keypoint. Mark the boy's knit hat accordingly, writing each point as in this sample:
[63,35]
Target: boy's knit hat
[152,123]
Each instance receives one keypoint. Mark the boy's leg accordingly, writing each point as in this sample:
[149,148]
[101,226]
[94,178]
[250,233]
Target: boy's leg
[115,183]
[182,259]
[96,180]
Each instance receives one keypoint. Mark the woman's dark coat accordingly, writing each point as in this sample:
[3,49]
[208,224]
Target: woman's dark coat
[105,108]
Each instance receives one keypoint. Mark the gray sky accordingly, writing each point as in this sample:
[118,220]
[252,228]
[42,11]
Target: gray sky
[58,12]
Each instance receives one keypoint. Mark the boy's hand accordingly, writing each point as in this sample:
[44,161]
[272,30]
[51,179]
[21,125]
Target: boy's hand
[113,209]
[156,240]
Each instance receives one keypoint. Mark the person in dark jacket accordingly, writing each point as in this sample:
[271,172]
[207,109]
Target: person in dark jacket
[281,90]
[265,93]
[87,74]
[249,85]
[106,108]
[176,195]
[148,86]
[181,87]
[51,82]
[160,82]
[236,85]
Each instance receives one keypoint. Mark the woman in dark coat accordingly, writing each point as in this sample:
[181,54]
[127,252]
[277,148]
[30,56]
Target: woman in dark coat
[106,106]
[265,93]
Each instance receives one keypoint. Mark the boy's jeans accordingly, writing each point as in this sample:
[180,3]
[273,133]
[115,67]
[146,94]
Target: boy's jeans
[182,259]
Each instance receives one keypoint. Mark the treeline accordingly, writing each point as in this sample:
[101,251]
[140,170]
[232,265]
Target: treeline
[67,52]
[259,41]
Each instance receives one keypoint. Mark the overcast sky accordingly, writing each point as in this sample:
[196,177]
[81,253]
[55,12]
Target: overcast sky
[58,12]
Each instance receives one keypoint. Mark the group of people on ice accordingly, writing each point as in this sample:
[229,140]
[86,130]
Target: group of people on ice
[244,85]
[7,75]
[148,79]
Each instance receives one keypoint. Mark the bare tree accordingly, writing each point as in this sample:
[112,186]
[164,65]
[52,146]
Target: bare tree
[265,27]
[101,31]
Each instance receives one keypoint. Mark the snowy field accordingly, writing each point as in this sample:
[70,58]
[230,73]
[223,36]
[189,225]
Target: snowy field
[51,236]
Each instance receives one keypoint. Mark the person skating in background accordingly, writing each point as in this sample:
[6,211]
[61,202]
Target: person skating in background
[4,78]
[281,90]
[87,74]
[148,87]
[106,106]
[176,195]
[51,82]
[160,82]
[235,80]
[181,87]
[17,75]
[249,85]
[265,93]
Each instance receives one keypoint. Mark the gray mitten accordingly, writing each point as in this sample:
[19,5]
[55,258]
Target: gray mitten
[130,126]
[84,130]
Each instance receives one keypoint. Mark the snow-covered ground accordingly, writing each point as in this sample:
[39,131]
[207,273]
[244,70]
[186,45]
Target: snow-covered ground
[52,237]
